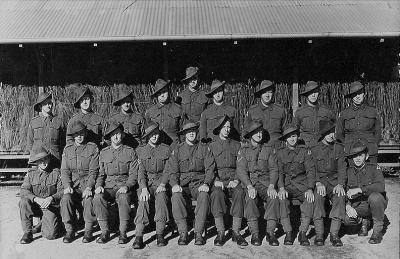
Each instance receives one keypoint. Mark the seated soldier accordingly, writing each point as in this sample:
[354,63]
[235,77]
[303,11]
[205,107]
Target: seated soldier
[296,182]
[191,168]
[116,180]
[152,181]
[79,170]
[41,192]
[257,169]
[366,196]
[226,185]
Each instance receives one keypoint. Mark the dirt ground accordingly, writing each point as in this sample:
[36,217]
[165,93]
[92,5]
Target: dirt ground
[354,246]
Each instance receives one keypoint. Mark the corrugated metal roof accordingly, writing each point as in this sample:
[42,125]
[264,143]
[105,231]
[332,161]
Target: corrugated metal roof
[121,20]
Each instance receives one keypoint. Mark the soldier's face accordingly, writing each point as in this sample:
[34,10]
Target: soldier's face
[116,137]
[44,163]
[79,137]
[86,102]
[330,137]
[358,98]
[257,137]
[292,140]
[193,83]
[126,104]
[226,129]
[191,136]
[163,97]
[267,96]
[47,105]
[359,160]
[313,97]
[218,96]
[154,138]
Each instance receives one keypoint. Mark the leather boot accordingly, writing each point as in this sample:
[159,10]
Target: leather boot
[271,239]
[375,238]
[219,240]
[183,239]
[37,229]
[103,238]
[138,243]
[319,240]
[335,240]
[87,237]
[364,228]
[302,238]
[69,237]
[288,239]
[122,239]
[26,238]
[199,239]
[255,239]
[161,240]
[237,238]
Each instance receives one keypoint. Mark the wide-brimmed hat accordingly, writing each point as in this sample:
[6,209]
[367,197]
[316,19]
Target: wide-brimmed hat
[159,86]
[221,122]
[288,131]
[325,127]
[190,73]
[112,126]
[354,88]
[311,86]
[254,127]
[264,86]
[123,95]
[75,127]
[151,127]
[37,155]
[189,126]
[41,98]
[80,93]
[357,148]
[215,86]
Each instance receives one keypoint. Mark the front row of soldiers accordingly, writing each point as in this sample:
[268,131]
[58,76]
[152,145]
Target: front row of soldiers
[220,175]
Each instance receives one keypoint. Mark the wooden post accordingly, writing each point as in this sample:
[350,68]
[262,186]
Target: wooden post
[295,97]
[40,63]
[165,59]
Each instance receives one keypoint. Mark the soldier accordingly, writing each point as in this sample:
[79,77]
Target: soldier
[359,122]
[116,180]
[45,130]
[366,194]
[257,169]
[152,181]
[271,114]
[93,122]
[307,117]
[79,171]
[330,167]
[226,185]
[191,168]
[209,118]
[41,192]
[132,121]
[296,182]
[194,101]
[166,113]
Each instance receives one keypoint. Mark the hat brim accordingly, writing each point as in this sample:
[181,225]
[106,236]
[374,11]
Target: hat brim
[38,157]
[285,136]
[76,132]
[217,129]
[77,103]
[108,135]
[36,106]
[261,91]
[119,101]
[148,134]
[310,90]
[350,95]
[190,77]
[326,132]
[153,95]
[354,153]
[250,133]
[194,128]
[211,93]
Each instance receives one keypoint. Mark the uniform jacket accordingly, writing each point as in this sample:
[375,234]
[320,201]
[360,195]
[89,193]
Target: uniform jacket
[152,161]
[330,163]
[80,166]
[191,164]
[368,178]
[225,154]
[307,118]
[118,167]
[133,127]
[193,104]
[94,123]
[257,164]
[167,116]
[42,184]
[45,132]
[296,168]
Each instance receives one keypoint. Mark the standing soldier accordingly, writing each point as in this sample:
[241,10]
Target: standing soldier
[132,121]
[330,169]
[152,181]
[166,113]
[93,122]
[296,182]
[359,122]
[79,170]
[191,168]
[307,117]
[225,152]
[366,194]
[45,130]
[41,192]
[209,118]
[271,114]
[257,169]
[117,177]
[194,101]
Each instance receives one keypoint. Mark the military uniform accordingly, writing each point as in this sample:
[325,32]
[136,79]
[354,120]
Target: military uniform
[79,170]
[133,125]
[307,118]
[193,104]
[42,184]
[94,123]
[360,123]
[45,132]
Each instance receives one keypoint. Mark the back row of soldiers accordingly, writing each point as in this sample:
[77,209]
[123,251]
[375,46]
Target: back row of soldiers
[272,165]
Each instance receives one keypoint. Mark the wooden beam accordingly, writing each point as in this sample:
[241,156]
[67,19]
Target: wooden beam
[295,97]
